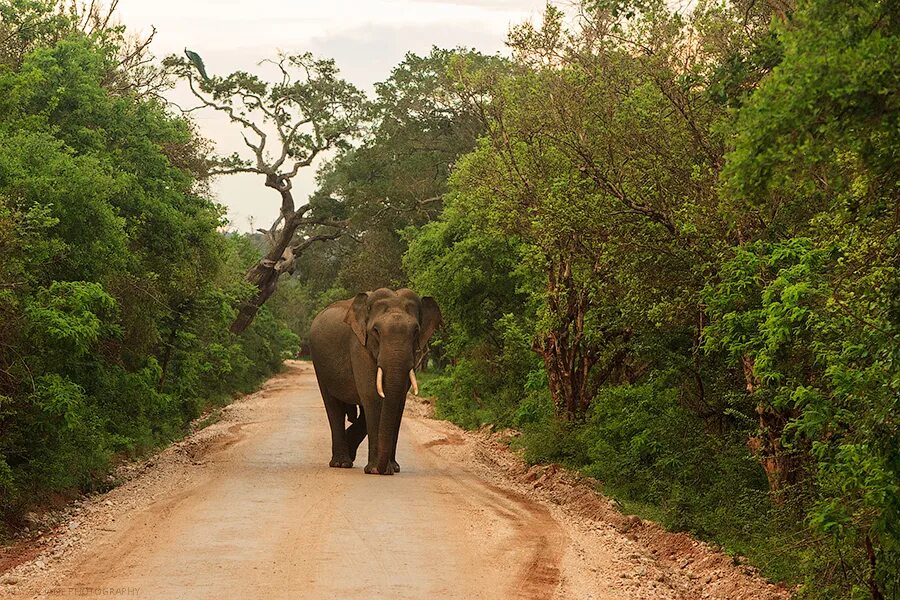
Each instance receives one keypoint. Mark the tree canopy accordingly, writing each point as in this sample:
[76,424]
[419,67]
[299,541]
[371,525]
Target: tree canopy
[116,285]
[691,215]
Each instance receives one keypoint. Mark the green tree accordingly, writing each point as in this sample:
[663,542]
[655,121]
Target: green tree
[702,213]
[116,287]
[394,179]
[810,307]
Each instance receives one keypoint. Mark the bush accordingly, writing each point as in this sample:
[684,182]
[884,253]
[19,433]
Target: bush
[655,458]
[116,286]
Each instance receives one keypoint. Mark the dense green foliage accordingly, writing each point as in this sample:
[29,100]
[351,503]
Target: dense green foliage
[116,286]
[665,246]
[672,261]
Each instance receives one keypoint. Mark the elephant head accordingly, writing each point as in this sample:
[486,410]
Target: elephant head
[394,327]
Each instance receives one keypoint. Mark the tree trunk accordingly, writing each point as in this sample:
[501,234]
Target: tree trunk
[281,255]
[872,581]
[265,274]
[567,374]
[781,465]
[567,359]
[265,280]
[167,356]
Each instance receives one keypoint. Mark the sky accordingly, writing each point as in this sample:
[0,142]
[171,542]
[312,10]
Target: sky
[367,39]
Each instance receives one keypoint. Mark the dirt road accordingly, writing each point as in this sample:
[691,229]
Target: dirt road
[247,508]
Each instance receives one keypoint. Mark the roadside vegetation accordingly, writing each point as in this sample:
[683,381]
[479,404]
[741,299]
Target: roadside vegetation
[667,252]
[117,286]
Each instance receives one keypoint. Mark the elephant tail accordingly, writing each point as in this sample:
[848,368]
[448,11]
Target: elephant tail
[352,413]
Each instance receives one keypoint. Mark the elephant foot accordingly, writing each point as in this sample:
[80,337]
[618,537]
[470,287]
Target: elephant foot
[372,469]
[396,466]
[341,463]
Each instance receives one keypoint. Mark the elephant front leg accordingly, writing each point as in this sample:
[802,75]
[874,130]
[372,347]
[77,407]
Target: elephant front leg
[340,450]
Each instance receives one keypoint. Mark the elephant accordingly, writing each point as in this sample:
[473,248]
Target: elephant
[364,351]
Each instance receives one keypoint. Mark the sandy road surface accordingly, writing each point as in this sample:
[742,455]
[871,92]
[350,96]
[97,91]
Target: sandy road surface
[247,508]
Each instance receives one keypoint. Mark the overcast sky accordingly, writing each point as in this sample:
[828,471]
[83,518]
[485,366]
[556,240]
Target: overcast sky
[367,38]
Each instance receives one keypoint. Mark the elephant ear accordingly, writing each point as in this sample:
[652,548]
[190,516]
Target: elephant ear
[429,320]
[357,315]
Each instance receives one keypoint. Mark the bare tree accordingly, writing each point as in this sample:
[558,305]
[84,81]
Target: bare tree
[285,126]
[25,26]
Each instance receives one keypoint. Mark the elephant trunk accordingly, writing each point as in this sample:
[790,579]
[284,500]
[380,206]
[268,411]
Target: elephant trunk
[395,384]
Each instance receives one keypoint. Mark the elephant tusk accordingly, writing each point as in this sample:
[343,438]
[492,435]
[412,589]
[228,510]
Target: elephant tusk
[379,382]
[415,384]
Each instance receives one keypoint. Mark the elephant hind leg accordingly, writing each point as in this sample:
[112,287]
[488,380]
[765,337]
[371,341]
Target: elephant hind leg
[340,452]
[356,433]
